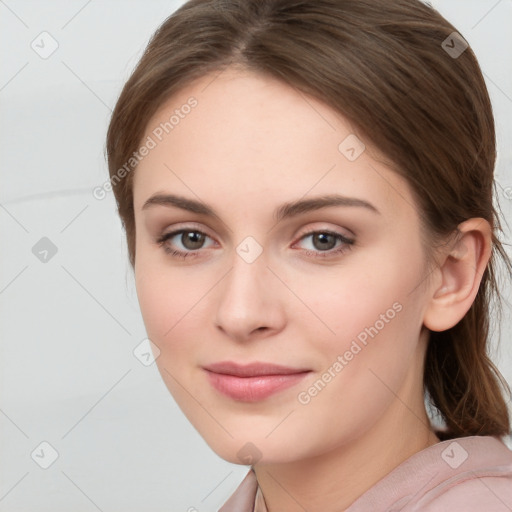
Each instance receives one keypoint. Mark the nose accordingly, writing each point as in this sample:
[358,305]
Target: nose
[250,301]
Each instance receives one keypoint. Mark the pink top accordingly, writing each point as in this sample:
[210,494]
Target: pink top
[469,474]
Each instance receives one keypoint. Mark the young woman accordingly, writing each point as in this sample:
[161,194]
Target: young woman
[307,192]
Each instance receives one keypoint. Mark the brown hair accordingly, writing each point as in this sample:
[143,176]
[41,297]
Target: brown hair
[383,66]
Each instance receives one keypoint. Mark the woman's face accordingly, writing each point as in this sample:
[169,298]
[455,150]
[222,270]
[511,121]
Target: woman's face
[334,294]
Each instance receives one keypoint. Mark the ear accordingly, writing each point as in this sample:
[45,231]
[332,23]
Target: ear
[461,272]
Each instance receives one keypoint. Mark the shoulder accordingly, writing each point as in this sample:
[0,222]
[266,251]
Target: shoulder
[470,474]
[483,481]
[489,493]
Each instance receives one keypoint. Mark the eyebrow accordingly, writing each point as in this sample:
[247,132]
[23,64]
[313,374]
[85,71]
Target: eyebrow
[286,210]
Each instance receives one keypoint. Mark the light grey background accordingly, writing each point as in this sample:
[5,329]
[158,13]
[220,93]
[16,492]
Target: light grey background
[69,326]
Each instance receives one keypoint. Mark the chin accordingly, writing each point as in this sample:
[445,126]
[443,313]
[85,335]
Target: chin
[246,449]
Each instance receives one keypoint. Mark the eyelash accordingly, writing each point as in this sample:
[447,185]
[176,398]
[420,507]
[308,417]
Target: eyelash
[347,243]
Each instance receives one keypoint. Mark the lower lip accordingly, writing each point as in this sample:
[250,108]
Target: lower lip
[253,389]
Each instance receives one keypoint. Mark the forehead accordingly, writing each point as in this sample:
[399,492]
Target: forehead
[257,140]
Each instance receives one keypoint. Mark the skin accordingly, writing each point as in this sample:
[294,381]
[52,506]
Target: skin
[251,144]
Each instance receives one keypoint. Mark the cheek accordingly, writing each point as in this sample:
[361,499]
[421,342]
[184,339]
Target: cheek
[369,328]
[172,309]
[177,310]
[378,317]
[156,310]
[167,300]
[365,298]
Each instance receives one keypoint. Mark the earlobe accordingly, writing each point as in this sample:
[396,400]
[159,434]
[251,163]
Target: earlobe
[461,272]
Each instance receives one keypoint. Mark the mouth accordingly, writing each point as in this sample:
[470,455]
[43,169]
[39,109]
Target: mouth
[252,382]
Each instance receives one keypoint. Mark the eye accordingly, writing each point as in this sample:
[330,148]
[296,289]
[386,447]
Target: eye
[191,239]
[324,243]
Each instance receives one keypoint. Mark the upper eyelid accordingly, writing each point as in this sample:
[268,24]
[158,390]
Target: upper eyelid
[176,231]
[188,227]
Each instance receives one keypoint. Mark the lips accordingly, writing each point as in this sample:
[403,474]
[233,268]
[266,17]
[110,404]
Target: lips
[252,382]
